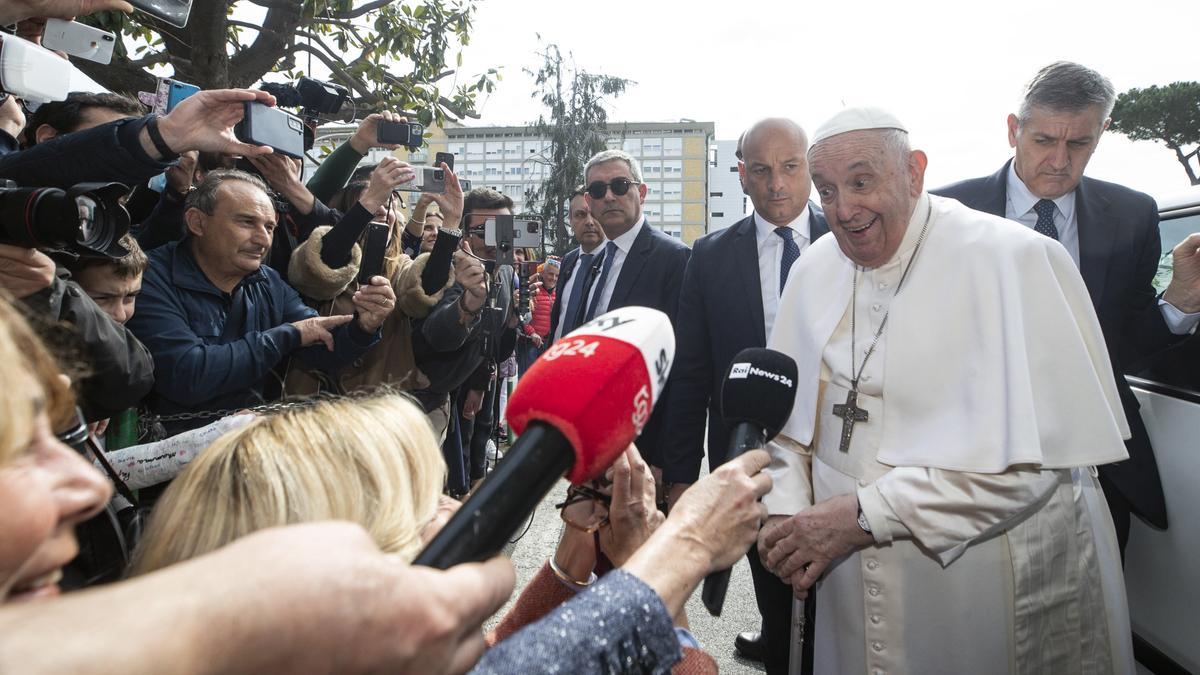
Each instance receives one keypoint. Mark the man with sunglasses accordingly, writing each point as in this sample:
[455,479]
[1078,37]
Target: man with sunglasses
[638,266]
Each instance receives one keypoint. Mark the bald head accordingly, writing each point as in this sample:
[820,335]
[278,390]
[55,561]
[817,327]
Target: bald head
[773,168]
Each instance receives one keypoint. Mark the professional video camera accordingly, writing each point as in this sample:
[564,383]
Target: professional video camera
[87,220]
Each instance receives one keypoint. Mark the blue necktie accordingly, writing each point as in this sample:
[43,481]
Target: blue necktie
[791,253]
[583,268]
[610,252]
[1045,221]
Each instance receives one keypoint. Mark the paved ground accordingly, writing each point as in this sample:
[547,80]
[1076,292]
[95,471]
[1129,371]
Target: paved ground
[715,634]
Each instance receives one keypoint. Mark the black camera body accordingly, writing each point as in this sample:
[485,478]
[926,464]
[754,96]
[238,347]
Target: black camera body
[409,134]
[86,220]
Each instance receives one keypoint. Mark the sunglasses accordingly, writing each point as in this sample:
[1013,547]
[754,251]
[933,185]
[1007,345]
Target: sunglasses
[619,187]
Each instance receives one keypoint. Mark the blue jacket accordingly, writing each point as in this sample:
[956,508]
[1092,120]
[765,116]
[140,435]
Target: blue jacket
[213,350]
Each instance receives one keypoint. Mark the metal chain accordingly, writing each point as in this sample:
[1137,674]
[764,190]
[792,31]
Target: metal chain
[883,323]
[149,423]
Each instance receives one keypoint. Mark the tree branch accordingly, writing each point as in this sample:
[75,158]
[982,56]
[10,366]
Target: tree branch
[276,38]
[359,11]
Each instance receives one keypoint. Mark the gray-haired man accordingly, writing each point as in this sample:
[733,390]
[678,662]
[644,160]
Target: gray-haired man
[1111,233]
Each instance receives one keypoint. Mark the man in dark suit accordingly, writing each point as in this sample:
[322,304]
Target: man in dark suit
[639,265]
[572,276]
[728,303]
[1112,233]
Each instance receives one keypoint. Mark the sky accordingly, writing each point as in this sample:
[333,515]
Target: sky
[952,71]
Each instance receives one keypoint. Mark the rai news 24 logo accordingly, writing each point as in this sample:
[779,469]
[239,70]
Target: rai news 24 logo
[742,371]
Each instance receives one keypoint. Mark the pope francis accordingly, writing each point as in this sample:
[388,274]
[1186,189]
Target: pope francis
[936,479]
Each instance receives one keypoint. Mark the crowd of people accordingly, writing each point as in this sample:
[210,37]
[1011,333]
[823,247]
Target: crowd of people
[227,435]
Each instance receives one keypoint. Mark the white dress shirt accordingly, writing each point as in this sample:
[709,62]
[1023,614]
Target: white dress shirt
[623,243]
[1019,207]
[578,274]
[770,257]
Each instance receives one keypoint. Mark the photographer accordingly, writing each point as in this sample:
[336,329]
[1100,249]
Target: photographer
[217,320]
[449,344]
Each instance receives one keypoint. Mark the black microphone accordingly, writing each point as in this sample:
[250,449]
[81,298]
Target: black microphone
[756,400]
[437,268]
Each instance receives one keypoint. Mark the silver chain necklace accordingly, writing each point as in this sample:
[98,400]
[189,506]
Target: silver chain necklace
[849,411]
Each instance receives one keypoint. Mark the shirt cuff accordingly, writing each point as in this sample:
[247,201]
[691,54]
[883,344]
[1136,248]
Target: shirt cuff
[885,525]
[686,639]
[791,490]
[1178,322]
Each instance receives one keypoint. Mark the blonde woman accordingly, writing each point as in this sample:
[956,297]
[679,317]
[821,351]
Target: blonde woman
[372,461]
[46,488]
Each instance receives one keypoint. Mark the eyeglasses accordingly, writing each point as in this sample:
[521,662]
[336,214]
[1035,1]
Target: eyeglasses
[619,186]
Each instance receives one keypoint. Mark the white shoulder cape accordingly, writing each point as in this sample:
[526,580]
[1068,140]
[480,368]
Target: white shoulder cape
[994,354]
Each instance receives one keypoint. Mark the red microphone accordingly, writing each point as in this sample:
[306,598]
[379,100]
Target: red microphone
[576,409]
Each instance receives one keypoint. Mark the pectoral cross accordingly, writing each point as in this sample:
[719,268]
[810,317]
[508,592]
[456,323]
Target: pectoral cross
[850,413]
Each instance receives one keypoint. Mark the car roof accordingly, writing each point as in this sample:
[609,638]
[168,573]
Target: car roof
[1180,200]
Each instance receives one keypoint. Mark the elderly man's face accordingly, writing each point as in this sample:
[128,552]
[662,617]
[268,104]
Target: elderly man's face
[774,173]
[617,214]
[587,231]
[235,239]
[1053,148]
[868,193]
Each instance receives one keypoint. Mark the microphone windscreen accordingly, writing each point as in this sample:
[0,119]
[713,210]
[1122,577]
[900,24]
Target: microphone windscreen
[759,388]
[598,384]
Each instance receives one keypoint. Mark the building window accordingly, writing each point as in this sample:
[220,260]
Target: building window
[494,149]
[652,147]
[672,147]
[733,169]
[718,214]
[652,169]
[672,213]
[675,231]
[493,170]
[672,168]
[457,149]
[633,146]
[654,190]
[672,190]
[474,150]
[716,194]
[653,211]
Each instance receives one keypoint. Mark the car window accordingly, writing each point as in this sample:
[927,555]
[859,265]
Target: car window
[1173,231]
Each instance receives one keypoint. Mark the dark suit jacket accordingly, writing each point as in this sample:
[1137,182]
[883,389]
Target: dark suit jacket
[565,279]
[720,314]
[1119,249]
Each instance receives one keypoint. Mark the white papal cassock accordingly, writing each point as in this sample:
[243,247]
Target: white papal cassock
[991,399]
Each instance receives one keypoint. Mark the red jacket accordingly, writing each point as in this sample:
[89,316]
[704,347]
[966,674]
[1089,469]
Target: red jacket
[543,302]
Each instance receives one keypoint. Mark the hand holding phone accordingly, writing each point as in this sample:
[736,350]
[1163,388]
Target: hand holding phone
[277,129]
[373,249]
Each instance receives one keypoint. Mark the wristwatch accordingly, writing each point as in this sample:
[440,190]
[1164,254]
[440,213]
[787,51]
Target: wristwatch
[863,523]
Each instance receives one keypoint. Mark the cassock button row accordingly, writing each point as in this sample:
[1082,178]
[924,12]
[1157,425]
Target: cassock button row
[872,564]
[883,285]
[873,591]
[877,646]
[876,619]
[876,307]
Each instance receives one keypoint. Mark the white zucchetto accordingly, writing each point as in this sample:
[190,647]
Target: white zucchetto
[857,119]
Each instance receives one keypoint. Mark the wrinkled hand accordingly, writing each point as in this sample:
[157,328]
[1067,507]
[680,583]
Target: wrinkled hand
[181,174]
[366,136]
[720,514]
[472,403]
[19,10]
[1184,290]
[469,273]
[24,271]
[374,303]
[204,121]
[633,515]
[799,548]
[317,329]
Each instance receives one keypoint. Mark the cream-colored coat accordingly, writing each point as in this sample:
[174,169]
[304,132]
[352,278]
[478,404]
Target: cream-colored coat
[994,548]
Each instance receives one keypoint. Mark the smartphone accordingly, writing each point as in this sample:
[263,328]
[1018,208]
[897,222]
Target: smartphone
[400,133]
[174,12]
[265,125]
[170,93]
[77,39]
[32,73]
[446,158]
[428,179]
[525,233]
[373,249]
